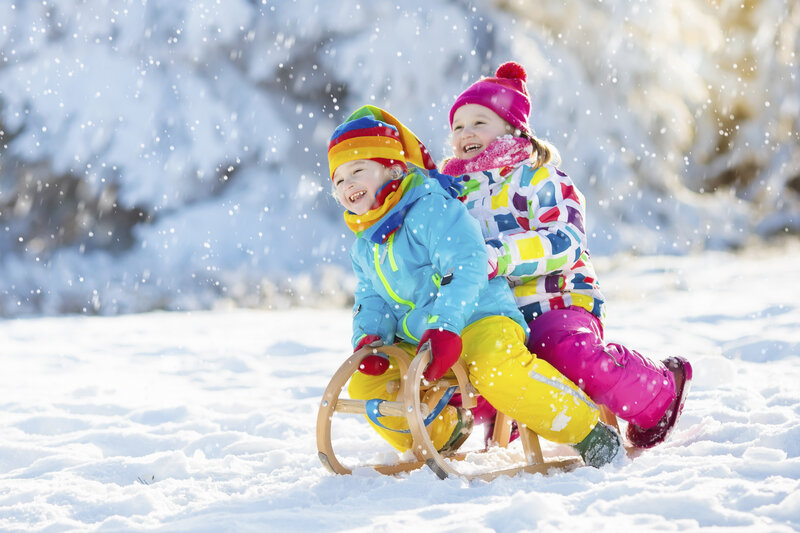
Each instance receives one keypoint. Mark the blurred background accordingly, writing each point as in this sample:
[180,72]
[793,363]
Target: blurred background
[171,154]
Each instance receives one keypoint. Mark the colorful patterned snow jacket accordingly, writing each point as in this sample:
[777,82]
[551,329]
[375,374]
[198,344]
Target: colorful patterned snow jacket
[534,219]
[430,272]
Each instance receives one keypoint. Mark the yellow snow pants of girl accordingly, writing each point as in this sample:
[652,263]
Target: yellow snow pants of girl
[503,371]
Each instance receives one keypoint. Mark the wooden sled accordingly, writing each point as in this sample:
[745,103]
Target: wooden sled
[409,404]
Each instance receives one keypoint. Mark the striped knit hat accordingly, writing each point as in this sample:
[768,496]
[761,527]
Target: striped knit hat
[505,94]
[372,133]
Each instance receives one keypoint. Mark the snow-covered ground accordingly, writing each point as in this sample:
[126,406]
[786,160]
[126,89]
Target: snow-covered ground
[206,421]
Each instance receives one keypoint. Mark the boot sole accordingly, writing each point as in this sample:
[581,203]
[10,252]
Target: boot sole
[682,370]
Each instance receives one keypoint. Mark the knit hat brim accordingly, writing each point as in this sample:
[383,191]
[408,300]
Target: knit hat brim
[372,133]
[506,94]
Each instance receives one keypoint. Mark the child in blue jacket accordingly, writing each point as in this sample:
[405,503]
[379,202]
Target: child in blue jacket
[420,263]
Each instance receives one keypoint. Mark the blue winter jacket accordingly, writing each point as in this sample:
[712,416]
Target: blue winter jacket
[429,273]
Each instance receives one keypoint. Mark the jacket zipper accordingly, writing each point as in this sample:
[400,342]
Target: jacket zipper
[377,260]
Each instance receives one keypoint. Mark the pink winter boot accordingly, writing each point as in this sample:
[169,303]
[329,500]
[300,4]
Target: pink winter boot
[647,438]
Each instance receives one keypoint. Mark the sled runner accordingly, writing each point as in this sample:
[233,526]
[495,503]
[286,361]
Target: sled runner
[410,404]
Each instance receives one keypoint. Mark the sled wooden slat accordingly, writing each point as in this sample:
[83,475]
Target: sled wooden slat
[394,386]
[531,446]
[557,465]
[386,408]
[502,429]
[410,466]
[469,396]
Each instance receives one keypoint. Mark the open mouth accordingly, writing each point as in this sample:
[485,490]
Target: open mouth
[472,148]
[356,196]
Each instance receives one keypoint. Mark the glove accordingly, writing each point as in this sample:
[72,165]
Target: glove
[491,269]
[375,364]
[445,351]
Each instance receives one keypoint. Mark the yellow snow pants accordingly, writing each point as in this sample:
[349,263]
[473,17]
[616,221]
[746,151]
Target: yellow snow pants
[503,371]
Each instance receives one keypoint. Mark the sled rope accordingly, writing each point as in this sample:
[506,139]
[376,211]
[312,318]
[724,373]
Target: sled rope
[373,413]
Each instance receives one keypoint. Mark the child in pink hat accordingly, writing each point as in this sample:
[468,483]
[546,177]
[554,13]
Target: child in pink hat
[532,218]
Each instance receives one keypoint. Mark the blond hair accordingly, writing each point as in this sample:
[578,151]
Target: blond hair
[543,152]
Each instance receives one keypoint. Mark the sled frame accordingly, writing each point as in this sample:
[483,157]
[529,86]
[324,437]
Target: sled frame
[410,405]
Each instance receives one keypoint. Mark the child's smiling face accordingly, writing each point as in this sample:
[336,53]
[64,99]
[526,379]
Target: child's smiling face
[474,128]
[357,182]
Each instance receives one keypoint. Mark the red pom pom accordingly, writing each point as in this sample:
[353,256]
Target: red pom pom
[511,71]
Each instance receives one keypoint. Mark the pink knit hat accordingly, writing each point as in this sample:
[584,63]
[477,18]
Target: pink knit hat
[505,94]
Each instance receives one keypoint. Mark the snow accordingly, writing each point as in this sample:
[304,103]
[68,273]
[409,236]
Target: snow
[171,156]
[205,421]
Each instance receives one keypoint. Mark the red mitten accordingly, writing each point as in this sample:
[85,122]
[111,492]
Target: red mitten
[375,364]
[445,351]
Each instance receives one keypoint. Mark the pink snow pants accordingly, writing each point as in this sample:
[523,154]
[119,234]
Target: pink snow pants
[631,386]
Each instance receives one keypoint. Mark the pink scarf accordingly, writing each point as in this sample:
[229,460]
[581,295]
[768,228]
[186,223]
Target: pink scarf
[502,152]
